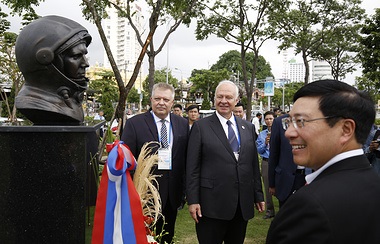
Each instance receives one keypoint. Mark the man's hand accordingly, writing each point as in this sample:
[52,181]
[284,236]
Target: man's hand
[373,146]
[260,206]
[195,211]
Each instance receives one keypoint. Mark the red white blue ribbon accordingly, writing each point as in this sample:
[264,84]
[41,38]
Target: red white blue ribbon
[118,214]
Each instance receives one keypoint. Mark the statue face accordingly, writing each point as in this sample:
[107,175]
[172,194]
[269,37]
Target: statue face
[75,61]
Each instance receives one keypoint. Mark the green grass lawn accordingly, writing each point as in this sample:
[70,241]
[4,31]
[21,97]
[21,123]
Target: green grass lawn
[185,228]
[256,231]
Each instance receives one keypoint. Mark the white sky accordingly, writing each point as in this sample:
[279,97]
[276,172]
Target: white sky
[185,52]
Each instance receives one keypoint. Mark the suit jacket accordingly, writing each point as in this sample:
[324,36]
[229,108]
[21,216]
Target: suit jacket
[340,206]
[141,129]
[281,171]
[214,178]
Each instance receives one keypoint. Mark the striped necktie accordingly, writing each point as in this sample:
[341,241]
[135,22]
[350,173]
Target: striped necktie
[232,138]
[164,135]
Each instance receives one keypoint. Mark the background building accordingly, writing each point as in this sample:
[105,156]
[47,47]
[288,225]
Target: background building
[296,71]
[123,41]
[320,70]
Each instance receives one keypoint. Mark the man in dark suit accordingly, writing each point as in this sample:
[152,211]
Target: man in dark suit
[284,175]
[148,127]
[222,172]
[328,124]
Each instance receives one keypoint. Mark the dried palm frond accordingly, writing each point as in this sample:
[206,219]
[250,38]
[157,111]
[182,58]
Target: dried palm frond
[146,184]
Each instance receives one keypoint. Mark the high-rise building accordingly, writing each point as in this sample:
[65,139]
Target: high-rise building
[296,71]
[123,40]
[320,70]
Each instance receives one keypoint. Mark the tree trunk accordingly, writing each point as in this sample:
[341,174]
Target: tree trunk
[307,68]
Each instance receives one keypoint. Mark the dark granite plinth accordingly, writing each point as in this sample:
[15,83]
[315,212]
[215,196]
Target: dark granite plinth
[43,171]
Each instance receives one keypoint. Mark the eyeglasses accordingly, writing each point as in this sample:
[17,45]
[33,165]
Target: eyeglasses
[299,122]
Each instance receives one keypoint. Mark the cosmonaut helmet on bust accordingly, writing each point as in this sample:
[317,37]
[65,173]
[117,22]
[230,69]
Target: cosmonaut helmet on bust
[40,45]
[51,54]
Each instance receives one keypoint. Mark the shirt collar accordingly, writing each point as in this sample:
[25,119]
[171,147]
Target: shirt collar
[223,120]
[156,119]
[310,177]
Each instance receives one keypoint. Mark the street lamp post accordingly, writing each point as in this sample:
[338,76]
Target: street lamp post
[180,84]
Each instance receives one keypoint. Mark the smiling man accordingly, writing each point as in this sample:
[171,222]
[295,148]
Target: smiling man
[222,172]
[328,124]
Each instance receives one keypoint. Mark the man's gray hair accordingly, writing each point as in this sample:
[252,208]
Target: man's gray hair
[231,83]
[163,86]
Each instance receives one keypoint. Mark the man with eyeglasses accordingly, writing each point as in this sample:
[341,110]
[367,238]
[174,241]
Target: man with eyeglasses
[284,176]
[171,133]
[328,124]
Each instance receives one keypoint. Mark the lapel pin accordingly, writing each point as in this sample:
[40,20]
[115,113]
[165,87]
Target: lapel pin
[243,127]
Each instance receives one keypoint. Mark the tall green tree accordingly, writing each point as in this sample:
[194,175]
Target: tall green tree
[341,38]
[307,25]
[364,83]
[205,82]
[370,49]
[105,92]
[231,60]
[242,23]
[9,71]
[164,14]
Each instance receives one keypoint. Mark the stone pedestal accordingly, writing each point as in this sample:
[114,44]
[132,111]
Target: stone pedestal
[43,172]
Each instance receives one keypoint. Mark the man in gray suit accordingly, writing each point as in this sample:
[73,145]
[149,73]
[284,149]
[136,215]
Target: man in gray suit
[222,172]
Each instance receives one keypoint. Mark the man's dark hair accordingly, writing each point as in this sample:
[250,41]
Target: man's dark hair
[192,107]
[239,104]
[177,106]
[340,100]
[268,113]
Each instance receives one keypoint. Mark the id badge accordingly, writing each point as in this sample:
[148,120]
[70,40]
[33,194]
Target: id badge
[165,159]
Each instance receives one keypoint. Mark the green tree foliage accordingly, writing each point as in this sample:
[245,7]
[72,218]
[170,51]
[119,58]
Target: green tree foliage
[9,71]
[205,82]
[289,91]
[160,76]
[313,26]
[370,51]
[231,61]
[341,38]
[133,96]
[4,23]
[105,92]
[371,86]
[242,23]
[206,104]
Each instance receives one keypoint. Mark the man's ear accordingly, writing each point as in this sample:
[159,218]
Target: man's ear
[348,129]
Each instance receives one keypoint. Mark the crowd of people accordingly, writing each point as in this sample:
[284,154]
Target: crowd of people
[312,161]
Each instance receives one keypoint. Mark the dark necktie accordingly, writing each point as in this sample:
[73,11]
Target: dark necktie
[164,135]
[232,138]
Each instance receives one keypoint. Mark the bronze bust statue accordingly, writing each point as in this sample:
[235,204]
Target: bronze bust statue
[51,54]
